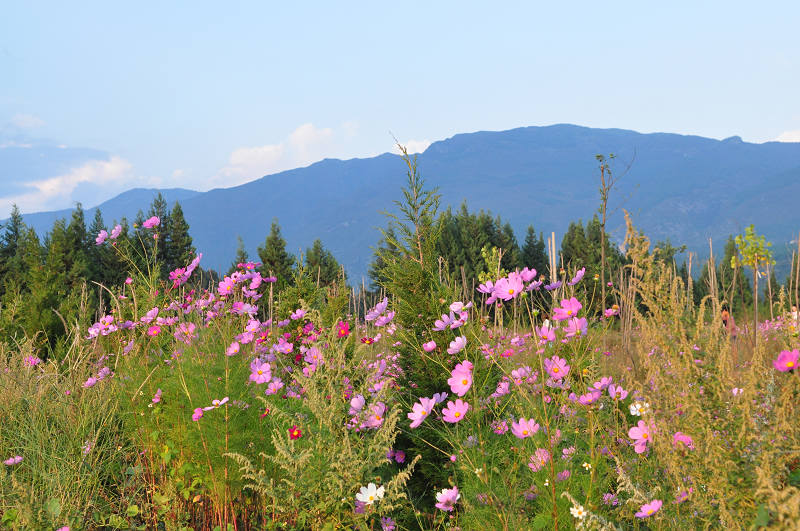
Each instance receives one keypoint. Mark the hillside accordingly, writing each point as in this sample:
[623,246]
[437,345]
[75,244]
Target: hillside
[685,188]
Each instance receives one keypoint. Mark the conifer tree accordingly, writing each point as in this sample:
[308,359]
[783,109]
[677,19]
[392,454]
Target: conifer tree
[10,264]
[178,248]
[534,253]
[321,264]
[241,256]
[275,261]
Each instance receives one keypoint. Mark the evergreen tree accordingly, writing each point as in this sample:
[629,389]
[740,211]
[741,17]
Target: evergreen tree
[160,209]
[534,252]
[11,270]
[386,248]
[241,256]
[321,264]
[178,250]
[275,261]
[574,247]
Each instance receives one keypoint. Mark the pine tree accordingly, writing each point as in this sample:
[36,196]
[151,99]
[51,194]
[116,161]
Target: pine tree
[178,249]
[574,247]
[321,264]
[275,261]
[241,256]
[534,253]
[11,270]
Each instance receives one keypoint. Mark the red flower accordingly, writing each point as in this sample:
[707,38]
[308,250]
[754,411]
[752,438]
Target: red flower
[344,329]
[295,433]
[367,340]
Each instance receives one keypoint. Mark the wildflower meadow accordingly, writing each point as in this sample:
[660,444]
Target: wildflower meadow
[546,396]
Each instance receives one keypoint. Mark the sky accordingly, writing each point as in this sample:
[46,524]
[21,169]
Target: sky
[100,97]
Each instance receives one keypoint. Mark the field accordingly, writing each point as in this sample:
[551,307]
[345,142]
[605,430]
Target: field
[532,402]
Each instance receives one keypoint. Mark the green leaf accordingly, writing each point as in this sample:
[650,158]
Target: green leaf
[117,522]
[762,517]
[53,507]
[10,516]
[133,510]
[541,521]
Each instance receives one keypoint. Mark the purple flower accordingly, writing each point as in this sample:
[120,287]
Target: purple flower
[101,237]
[400,456]
[539,458]
[90,382]
[556,367]
[387,524]
[576,327]
[32,361]
[578,276]
[457,345]
[157,396]
[116,231]
[198,414]
[377,310]
[554,285]
[233,349]
[444,322]
[420,411]
[298,314]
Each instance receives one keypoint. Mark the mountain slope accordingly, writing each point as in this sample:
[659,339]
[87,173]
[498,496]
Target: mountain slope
[685,188]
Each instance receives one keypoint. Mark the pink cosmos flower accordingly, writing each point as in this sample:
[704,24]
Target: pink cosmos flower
[101,237]
[610,312]
[116,231]
[151,222]
[459,306]
[376,416]
[539,459]
[604,382]
[233,349]
[524,428]
[185,332]
[457,345]
[641,435]
[343,329]
[129,281]
[377,310]
[274,386]
[157,396]
[198,414]
[684,439]
[556,367]
[568,310]
[576,327]
[298,314]
[455,411]
[429,346]
[90,382]
[215,404]
[421,410]
[591,396]
[737,391]
[447,498]
[649,509]
[461,378]
[11,461]
[384,320]
[444,322]
[357,404]
[508,287]
[617,392]
[787,360]
[261,372]
[546,333]
[32,361]
[527,274]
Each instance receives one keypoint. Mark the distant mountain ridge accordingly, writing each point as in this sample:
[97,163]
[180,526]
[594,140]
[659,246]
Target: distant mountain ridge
[685,188]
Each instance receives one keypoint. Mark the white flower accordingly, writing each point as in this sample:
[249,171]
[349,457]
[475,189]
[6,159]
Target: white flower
[370,493]
[587,466]
[578,512]
[639,408]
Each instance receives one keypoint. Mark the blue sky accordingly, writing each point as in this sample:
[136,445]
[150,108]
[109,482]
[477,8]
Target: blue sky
[212,94]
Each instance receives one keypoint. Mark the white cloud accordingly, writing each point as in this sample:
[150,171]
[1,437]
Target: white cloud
[304,145]
[789,136]
[56,192]
[26,121]
[412,146]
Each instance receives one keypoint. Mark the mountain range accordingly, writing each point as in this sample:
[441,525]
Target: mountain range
[678,187]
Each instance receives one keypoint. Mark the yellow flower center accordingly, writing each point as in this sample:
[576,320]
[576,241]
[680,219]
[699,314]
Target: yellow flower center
[790,364]
[569,312]
[464,382]
[456,414]
[525,432]
[555,369]
[644,436]
[423,412]
[260,371]
[511,292]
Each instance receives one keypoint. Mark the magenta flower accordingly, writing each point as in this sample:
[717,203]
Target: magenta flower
[527,274]
[787,360]
[157,396]
[198,414]
[447,498]
[261,372]
[384,320]
[524,428]
[377,310]
[116,231]
[90,382]
[684,439]
[153,330]
[274,386]
[641,435]
[32,361]
[590,397]
[455,411]
[509,287]
[610,312]
[101,237]
[617,392]
[298,314]
[11,461]
[375,419]
[604,382]
[546,333]
[357,404]
[421,410]
[151,222]
[556,367]
[461,378]
[649,509]
[568,310]
[429,346]
[457,345]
